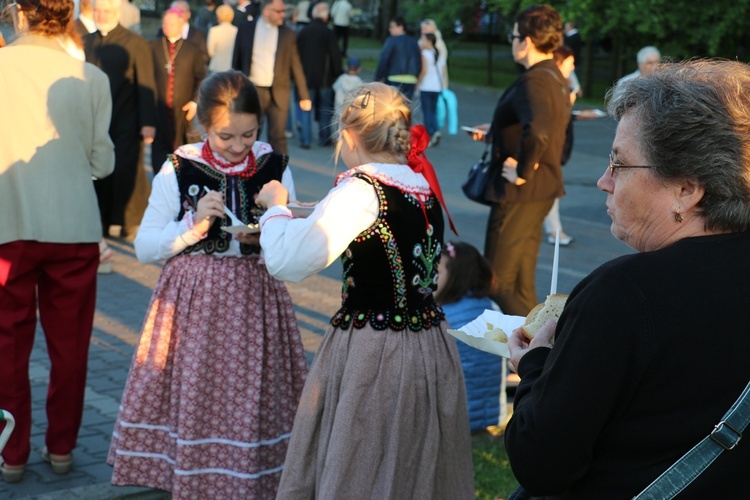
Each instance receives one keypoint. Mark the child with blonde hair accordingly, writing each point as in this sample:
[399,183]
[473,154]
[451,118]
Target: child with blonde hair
[383,411]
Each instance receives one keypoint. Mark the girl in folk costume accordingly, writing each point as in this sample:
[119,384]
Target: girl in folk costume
[214,383]
[383,413]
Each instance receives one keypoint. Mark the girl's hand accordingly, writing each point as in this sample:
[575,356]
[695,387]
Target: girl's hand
[272,194]
[519,345]
[210,207]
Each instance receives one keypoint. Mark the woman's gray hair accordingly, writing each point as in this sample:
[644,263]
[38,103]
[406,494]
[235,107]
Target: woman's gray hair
[694,120]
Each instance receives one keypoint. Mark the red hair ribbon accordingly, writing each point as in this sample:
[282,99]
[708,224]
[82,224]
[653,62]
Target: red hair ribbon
[419,163]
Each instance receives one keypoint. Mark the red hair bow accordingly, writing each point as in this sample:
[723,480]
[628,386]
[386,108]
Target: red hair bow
[419,163]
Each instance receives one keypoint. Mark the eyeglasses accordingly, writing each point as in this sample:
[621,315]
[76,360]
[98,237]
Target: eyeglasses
[613,167]
[511,36]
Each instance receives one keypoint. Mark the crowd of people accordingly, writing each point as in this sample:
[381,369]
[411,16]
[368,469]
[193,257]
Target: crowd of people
[219,399]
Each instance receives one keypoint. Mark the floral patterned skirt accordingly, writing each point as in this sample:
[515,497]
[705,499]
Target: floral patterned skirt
[214,383]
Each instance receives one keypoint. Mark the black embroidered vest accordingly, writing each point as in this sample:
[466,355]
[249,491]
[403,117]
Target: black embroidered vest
[192,176]
[390,269]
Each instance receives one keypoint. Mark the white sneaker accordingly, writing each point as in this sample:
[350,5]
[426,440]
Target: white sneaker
[435,139]
[565,240]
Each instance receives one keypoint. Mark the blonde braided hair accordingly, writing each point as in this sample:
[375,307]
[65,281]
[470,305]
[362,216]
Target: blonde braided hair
[379,115]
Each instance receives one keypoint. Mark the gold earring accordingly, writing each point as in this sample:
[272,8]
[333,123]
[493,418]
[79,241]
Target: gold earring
[678,217]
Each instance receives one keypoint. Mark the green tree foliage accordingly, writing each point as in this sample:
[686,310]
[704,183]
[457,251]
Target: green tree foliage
[680,28]
[443,12]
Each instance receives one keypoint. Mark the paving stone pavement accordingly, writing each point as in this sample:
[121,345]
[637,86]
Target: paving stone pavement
[122,299]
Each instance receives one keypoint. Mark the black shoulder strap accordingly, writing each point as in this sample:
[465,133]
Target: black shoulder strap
[562,85]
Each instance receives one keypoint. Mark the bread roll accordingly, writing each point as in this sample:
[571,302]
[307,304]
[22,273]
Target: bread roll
[550,309]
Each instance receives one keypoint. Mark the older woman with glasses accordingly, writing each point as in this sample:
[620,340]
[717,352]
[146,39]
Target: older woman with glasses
[527,135]
[651,349]
[56,111]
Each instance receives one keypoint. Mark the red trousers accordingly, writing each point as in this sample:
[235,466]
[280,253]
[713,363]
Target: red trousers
[61,279]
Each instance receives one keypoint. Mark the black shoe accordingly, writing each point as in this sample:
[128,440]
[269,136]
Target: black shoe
[304,146]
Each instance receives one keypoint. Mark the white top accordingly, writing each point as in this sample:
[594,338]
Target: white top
[265,43]
[161,235]
[344,84]
[294,249]
[220,46]
[88,22]
[130,16]
[433,77]
[629,76]
[341,12]
[302,7]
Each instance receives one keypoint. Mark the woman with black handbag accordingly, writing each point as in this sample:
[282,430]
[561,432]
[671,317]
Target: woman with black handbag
[527,135]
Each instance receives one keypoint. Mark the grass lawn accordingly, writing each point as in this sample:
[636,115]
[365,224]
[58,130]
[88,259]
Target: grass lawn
[493,478]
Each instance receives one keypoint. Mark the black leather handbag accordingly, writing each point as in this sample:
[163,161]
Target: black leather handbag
[482,184]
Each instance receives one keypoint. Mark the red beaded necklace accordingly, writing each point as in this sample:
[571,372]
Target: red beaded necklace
[251,166]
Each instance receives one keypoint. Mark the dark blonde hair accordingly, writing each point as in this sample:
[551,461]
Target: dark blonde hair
[379,115]
[469,273]
[224,13]
[47,17]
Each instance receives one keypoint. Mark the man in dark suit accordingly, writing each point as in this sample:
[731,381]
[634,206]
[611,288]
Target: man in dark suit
[85,24]
[321,60]
[246,10]
[179,69]
[126,59]
[190,33]
[266,51]
[573,40]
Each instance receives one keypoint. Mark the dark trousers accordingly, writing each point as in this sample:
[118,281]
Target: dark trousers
[61,279]
[514,234]
[274,119]
[113,192]
[429,110]
[342,35]
[405,88]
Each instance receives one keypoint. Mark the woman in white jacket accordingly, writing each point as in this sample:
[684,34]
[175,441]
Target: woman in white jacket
[56,111]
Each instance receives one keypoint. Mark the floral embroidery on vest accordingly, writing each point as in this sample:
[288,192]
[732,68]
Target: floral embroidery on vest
[410,304]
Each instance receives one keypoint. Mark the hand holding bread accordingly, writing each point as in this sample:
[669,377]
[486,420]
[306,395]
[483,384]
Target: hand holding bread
[549,309]
[538,331]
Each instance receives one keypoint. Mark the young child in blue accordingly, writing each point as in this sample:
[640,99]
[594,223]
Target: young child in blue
[464,284]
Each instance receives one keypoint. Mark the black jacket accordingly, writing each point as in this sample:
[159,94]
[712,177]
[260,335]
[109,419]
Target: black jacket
[320,54]
[286,67]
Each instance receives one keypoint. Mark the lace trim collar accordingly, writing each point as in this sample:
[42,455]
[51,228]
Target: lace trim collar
[399,176]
